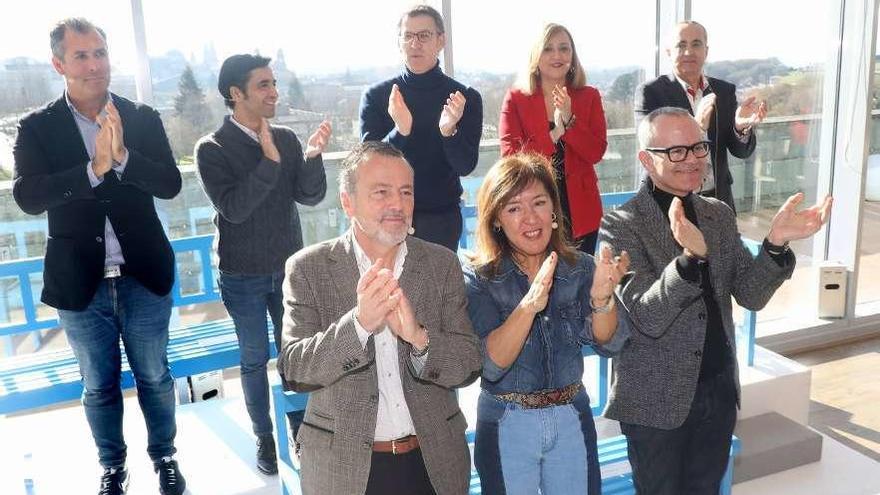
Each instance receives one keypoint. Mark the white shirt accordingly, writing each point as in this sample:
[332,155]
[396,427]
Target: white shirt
[247,130]
[694,99]
[393,419]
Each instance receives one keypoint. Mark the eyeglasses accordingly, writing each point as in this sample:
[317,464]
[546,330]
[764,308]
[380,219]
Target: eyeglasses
[680,153]
[423,36]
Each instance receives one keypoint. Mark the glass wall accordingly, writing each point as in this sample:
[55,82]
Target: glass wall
[321,74]
[789,77]
[325,54]
[868,289]
[614,56]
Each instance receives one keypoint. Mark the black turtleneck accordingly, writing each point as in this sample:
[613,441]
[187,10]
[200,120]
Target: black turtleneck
[438,161]
[717,356]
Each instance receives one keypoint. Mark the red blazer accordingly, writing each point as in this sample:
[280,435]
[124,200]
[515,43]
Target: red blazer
[524,127]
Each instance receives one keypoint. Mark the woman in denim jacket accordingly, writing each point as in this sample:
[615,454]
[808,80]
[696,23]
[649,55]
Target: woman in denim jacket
[534,301]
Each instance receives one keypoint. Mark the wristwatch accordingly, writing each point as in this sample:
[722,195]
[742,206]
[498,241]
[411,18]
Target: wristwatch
[424,351]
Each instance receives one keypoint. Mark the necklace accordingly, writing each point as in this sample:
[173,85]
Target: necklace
[522,269]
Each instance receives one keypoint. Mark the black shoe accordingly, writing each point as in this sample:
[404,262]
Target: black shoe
[171,482]
[267,463]
[114,481]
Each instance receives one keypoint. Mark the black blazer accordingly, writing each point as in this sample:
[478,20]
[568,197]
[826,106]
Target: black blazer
[665,91]
[50,176]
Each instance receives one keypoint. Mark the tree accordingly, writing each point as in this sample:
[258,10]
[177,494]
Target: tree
[295,96]
[624,87]
[191,118]
[189,104]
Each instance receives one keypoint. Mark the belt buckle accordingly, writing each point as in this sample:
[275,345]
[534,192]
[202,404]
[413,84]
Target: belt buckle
[112,271]
[394,447]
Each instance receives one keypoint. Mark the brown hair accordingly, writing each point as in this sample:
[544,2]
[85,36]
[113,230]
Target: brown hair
[531,79]
[508,177]
[80,25]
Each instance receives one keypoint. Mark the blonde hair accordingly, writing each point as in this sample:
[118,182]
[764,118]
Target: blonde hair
[530,79]
[508,177]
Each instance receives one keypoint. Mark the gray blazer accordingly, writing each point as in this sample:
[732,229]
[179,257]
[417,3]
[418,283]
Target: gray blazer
[655,375]
[321,354]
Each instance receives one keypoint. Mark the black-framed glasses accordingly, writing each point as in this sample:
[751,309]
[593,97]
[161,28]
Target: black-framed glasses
[422,36]
[680,153]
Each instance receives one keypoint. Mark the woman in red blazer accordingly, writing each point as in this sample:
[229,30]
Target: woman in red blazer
[553,112]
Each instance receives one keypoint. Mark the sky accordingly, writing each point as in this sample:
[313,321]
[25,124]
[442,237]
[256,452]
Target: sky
[494,35]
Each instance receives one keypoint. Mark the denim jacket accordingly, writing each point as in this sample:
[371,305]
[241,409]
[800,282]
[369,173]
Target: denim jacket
[551,356]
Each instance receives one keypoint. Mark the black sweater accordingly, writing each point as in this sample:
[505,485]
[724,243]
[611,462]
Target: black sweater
[438,161]
[717,351]
[255,198]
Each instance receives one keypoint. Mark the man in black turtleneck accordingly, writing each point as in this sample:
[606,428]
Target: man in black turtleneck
[676,381]
[433,119]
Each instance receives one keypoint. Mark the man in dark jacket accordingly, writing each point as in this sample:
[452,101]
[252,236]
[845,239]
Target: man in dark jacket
[94,161]
[711,101]
[254,174]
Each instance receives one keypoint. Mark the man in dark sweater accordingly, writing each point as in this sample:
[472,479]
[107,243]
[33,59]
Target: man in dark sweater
[433,119]
[254,174]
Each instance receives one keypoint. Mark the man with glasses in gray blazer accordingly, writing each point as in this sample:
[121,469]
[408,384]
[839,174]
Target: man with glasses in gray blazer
[676,387]
[376,328]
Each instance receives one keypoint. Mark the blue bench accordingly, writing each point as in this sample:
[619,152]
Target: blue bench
[44,378]
[612,450]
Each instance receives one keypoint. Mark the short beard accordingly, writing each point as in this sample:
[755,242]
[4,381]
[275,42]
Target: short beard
[381,236]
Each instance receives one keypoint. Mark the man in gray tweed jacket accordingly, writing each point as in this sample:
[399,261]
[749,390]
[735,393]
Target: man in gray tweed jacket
[376,328]
[676,386]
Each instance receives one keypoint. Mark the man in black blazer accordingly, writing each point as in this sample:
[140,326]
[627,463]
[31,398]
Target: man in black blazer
[711,101]
[94,161]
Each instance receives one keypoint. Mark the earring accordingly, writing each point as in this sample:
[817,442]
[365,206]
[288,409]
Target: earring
[496,228]
[411,230]
[554,225]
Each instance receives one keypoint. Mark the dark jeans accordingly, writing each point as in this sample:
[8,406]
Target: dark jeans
[247,299]
[124,309]
[402,473]
[690,459]
[442,228]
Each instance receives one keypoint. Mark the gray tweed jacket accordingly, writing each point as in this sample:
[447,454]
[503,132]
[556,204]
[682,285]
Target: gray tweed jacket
[321,354]
[655,375]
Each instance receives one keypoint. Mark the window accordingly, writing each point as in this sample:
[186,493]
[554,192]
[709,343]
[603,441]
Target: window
[868,289]
[322,68]
[789,76]
[614,56]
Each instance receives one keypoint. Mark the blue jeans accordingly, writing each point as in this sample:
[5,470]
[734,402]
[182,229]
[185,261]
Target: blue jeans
[247,299]
[524,450]
[123,308]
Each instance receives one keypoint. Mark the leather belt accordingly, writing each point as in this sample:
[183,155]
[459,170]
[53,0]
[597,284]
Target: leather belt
[398,446]
[543,398]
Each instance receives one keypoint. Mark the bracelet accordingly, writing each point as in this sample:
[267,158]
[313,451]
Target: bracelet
[424,351]
[775,249]
[567,125]
[606,308]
